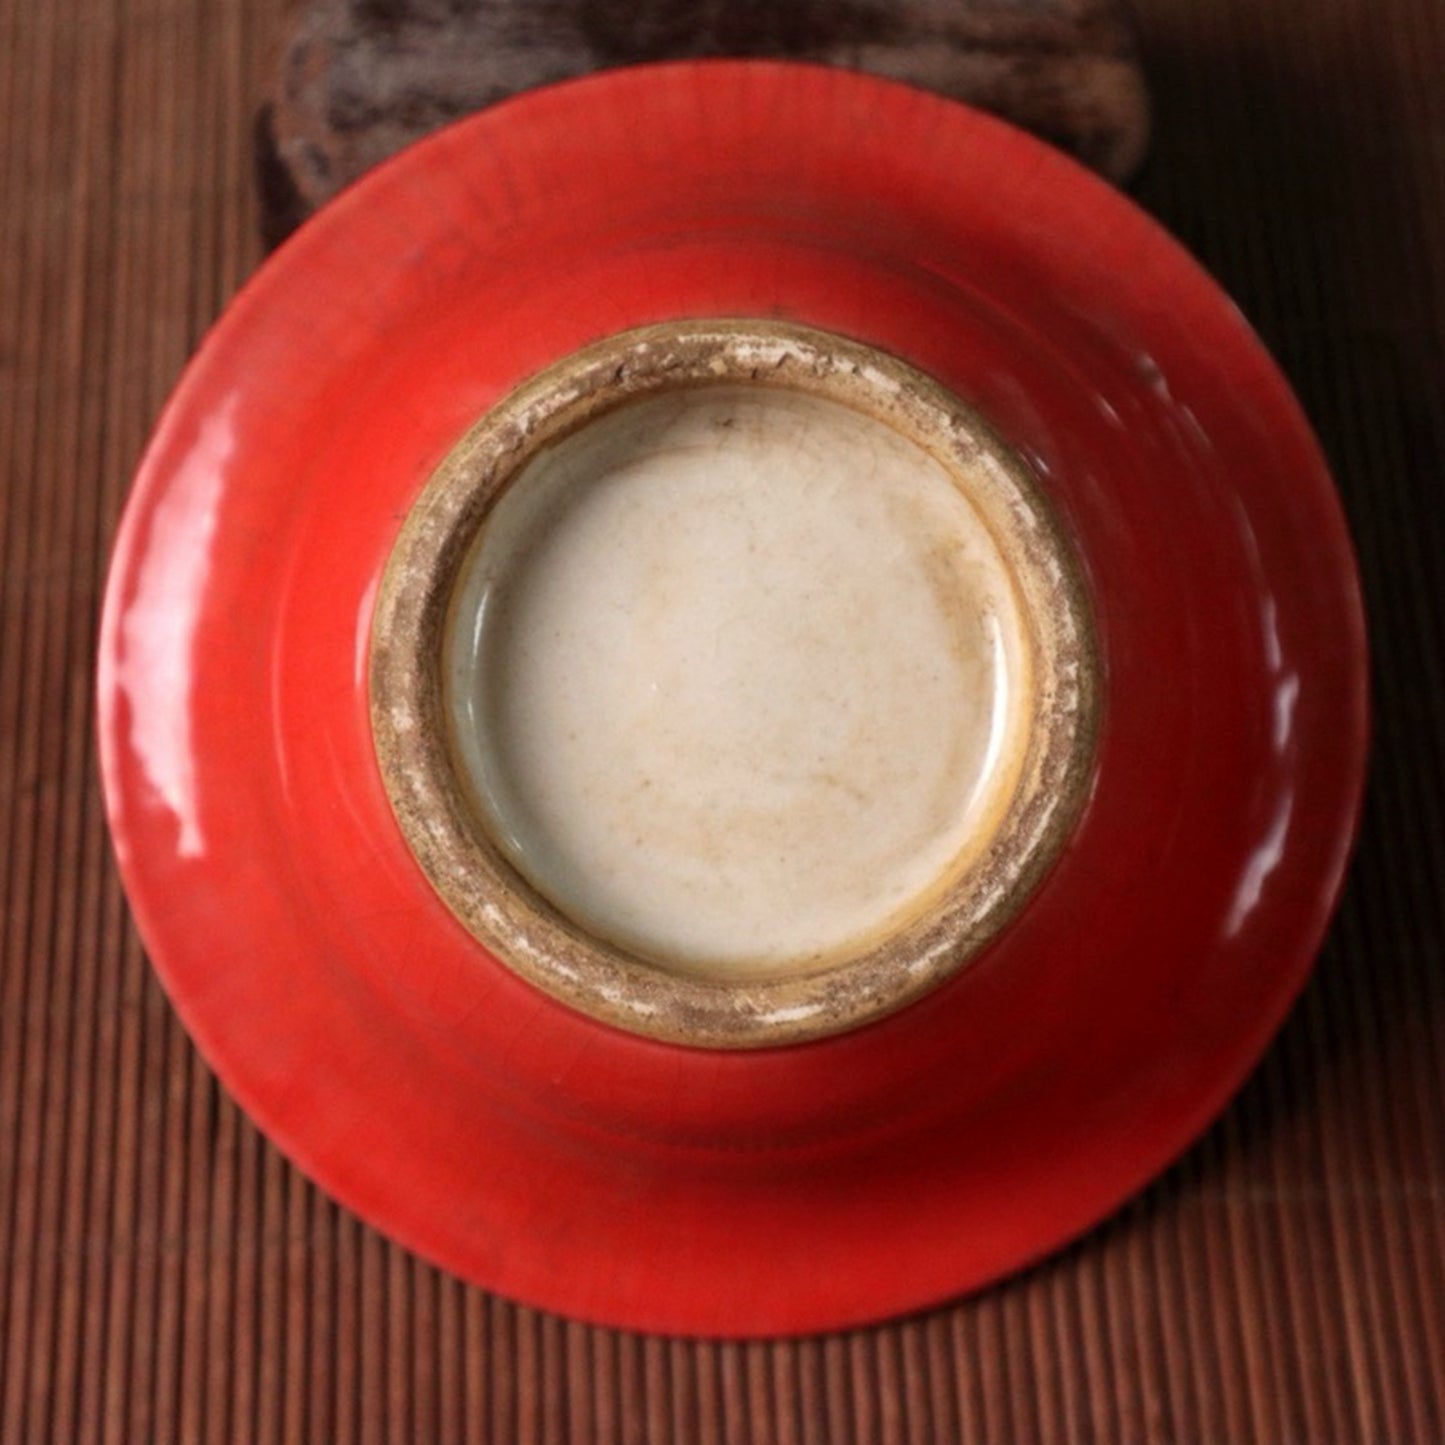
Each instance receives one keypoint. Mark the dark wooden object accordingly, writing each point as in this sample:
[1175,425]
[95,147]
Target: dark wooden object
[360,79]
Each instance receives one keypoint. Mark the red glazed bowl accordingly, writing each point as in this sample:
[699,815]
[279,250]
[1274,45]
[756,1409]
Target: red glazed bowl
[496,1131]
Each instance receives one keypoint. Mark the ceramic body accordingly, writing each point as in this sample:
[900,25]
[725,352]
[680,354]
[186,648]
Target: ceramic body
[722,756]
[547,1155]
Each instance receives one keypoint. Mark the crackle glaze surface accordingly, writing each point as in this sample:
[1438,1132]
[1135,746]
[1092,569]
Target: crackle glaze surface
[740,676]
[544,1154]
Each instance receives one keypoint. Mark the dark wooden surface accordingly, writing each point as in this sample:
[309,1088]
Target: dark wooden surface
[164,1275]
[359,79]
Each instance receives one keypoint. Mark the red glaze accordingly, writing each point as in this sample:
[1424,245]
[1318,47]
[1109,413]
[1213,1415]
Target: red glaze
[547,1156]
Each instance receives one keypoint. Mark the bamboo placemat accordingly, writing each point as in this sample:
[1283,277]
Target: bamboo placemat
[164,1275]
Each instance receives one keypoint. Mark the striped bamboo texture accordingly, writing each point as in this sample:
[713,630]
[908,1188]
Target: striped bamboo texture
[164,1275]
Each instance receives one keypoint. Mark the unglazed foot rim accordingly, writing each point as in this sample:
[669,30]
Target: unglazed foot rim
[436,808]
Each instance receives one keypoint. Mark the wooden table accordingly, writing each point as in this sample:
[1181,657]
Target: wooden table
[164,1275]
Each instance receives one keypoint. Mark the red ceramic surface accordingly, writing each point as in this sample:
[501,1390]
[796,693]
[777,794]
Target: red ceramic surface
[514,1141]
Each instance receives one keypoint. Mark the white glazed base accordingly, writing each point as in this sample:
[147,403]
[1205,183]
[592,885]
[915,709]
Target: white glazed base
[739,678]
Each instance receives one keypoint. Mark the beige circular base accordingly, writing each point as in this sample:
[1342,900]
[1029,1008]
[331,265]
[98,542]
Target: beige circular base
[642,923]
